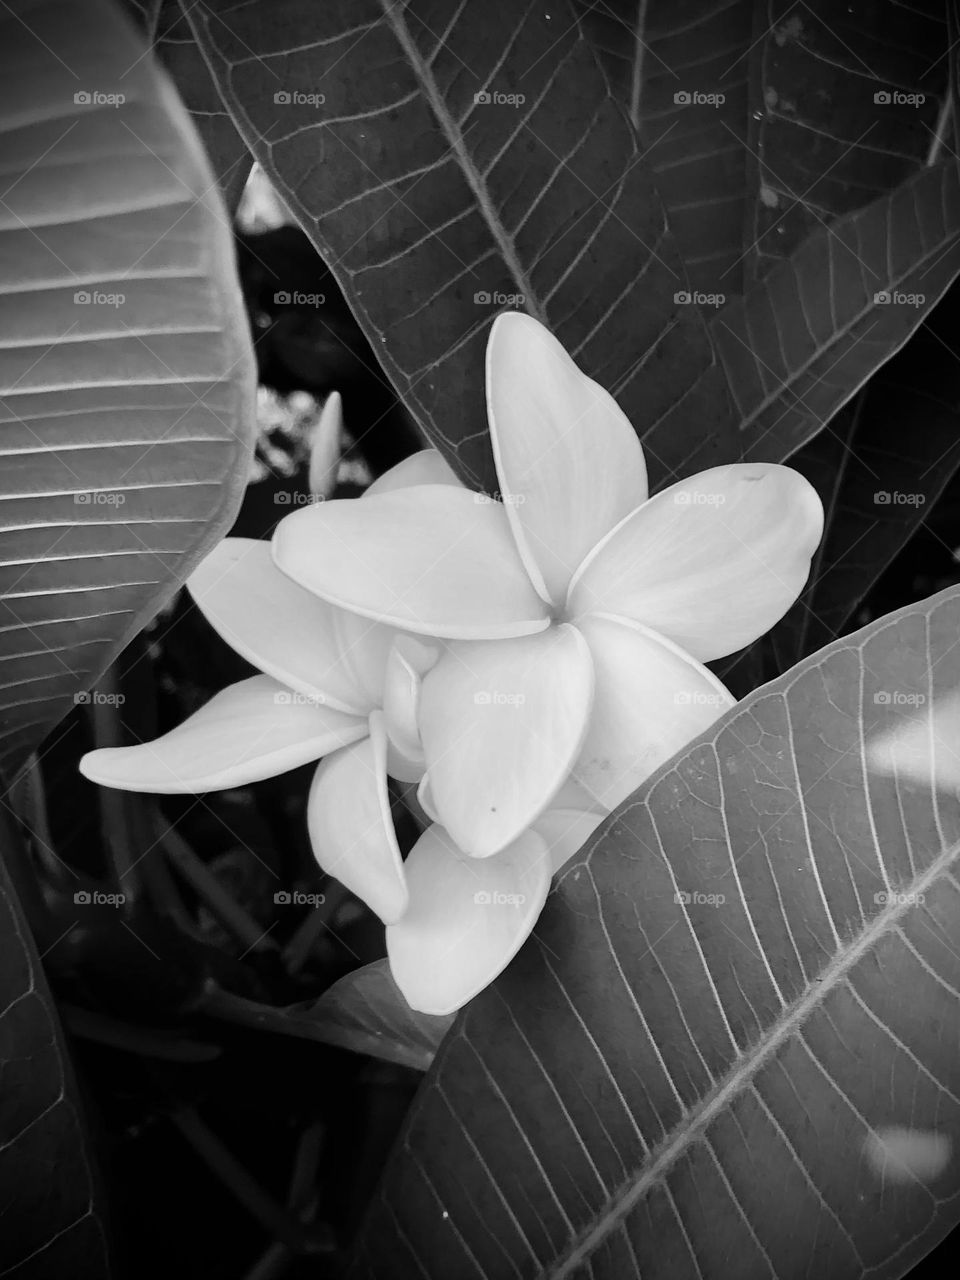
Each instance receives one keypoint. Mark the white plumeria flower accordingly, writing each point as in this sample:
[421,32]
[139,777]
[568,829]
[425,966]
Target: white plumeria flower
[321,694]
[580,610]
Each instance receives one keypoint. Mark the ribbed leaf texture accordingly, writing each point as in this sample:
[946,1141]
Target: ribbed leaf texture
[730,1048]
[126,370]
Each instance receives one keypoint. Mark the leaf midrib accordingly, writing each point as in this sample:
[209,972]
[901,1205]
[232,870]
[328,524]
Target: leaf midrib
[455,139]
[668,1152]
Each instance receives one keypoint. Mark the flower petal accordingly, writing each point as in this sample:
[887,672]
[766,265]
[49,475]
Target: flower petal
[426,467]
[251,730]
[502,725]
[466,920]
[433,559]
[351,830]
[279,627]
[565,832]
[569,462]
[650,699]
[363,646]
[408,661]
[712,562]
[404,768]
[425,798]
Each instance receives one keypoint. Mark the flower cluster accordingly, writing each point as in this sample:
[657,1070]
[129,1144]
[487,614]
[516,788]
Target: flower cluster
[527,661]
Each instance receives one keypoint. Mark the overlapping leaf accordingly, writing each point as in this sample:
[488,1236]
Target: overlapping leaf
[51,1223]
[762,122]
[879,468]
[226,150]
[126,373]
[449,164]
[810,333]
[730,1047]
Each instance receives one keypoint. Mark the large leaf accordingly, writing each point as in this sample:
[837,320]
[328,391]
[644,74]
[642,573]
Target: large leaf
[126,372]
[879,468]
[731,1047]
[422,199]
[808,335]
[799,120]
[436,210]
[51,1223]
[226,151]
[651,53]
[760,121]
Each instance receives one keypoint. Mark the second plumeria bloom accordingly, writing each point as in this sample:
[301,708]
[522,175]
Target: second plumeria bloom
[326,680]
[580,610]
